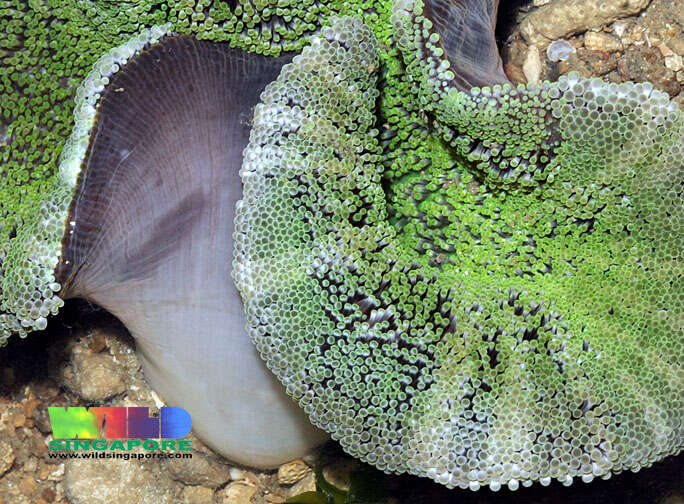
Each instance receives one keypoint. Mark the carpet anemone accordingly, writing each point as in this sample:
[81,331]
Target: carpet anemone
[347,203]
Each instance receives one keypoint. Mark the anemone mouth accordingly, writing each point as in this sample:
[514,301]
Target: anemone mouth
[434,325]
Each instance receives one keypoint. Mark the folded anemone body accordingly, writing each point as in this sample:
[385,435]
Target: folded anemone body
[452,276]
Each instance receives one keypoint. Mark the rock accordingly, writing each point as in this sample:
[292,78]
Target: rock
[679,99]
[561,18]
[514,52]
[27,485]
[677,45]
[197,495]
[93,376]
[674,62]
[532,67]
[98,377]
[621,27]
[42,420]
[664,50]
[202,469]
[274,499]
[30,465]
[598,62]
[514,73]
[122,347]
[597,41]
[643,63]
[30,405]
[292,472]
[673,499]
[638,36]
[338,473]
[103,481]
[238,492]
[236,473]
[311,457]
[306,484]
[97,340]
[48,494]
[58,473]
[6,457]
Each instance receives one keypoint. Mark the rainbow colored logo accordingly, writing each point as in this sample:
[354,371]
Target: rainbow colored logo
[119,423]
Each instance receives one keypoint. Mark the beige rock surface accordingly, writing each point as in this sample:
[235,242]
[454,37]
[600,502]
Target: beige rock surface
[532,67]
[6,457]
[238,492]
[197,495]
[202,469]
[597,41]
[94,376]
[307,484]
[292,472]
[105,481]
[561,18]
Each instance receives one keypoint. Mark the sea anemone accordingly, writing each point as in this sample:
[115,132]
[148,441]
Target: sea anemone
[452,276]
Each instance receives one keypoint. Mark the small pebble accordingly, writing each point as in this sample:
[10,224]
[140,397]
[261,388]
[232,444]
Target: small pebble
[514,73]
[664,50]
[197,495]
[674,62]
[28,485]
[19,421]
[30,406]
[620,27]
[201,470]
[532,66]
[97,340]
[30,465]
[560,50]
[338,473]
[677,45]
[596,41]
[638,35]
[292,472]
[274,499]
[238,492]
[6,457]
[48,494]
[307,484]
[236,474]
[57,474]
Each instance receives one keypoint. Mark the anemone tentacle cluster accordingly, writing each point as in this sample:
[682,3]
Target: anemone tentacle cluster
[453,276]
[55,62]
[476,340]
[30,287]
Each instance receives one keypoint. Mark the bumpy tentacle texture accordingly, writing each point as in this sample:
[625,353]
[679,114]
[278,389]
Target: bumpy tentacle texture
[500,310]
[55,58]
[476,285]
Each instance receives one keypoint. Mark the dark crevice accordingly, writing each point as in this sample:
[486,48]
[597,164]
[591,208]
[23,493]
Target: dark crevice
[507,18]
